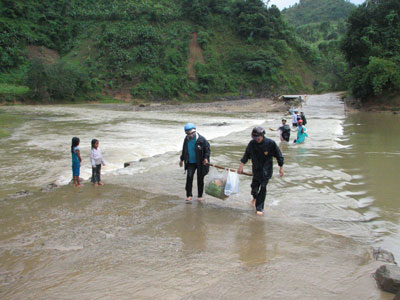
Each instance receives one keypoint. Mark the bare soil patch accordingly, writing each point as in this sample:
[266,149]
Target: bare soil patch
[45,54]
[195,55]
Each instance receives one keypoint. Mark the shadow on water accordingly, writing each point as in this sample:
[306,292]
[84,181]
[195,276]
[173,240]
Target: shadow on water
[190,227]
[251,242]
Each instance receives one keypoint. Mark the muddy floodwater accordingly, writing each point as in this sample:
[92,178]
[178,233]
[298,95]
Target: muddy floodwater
[136,238]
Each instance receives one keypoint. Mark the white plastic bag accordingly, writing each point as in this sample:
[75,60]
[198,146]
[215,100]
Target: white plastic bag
[216,184]
[232,184]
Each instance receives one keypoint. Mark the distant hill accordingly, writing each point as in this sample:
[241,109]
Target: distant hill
[322,24]
[316,11]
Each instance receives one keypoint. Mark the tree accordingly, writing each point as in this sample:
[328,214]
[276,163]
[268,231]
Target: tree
[372,48]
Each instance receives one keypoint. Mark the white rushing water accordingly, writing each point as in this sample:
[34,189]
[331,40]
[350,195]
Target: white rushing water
[123,136]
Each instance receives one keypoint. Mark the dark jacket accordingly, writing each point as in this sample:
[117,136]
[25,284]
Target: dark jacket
[261,155]
[285,132]
[202,149]
[303,117]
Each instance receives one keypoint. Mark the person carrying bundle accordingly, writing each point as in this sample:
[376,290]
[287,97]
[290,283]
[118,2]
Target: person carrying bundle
[261,150]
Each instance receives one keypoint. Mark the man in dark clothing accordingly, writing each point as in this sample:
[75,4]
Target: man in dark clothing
[285,131]
[261,150]
[303,117]
[195,155]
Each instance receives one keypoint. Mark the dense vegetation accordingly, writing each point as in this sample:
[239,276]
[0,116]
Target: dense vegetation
[142,47]
[318,11]
[322,24]
[80,49]
[372,49]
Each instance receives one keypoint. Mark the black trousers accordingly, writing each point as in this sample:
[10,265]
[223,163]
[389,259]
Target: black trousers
[191,168]
[96,174]
[259,192]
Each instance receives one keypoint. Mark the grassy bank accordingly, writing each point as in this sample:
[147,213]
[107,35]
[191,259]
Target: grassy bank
[11,93]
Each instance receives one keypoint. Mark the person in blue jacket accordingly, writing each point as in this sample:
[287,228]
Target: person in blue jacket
[195,156]
[261,150]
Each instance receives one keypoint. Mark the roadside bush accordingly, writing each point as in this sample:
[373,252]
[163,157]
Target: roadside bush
[9,92]
[59,81]
[383,74]
[158,85]
[203,38]
[378,77]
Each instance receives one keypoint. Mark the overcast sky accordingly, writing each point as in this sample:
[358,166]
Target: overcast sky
[286,3]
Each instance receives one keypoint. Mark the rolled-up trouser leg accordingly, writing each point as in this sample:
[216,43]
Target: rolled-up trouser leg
[93,179]
[255,186]
[261,198]
[97,173]
[191,168]
[259,192]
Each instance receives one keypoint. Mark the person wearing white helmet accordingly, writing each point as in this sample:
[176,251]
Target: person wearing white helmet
[195,156]
[261,150]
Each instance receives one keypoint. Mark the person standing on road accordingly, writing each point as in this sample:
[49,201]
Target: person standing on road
[261,150]
[303,117]
[195,156]
[96,158]
[294,118]
[76,161]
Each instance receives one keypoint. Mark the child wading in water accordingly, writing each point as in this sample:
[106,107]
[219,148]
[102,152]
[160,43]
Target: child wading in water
[97,160]
[76,161]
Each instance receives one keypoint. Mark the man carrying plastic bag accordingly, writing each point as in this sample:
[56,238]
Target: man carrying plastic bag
[261,150]
[232,184]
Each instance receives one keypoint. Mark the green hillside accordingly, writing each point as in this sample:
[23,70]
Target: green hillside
[322,24]
[184,49]
[317,11]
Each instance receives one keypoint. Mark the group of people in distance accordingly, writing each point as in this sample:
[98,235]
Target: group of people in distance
[96,159]
[298,121]
[261,150]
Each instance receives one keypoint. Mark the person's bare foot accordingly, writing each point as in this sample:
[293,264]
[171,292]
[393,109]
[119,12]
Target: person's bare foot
[188,199]
[100,183]
[260,213]
[95,184]
[253,202]
[200,199]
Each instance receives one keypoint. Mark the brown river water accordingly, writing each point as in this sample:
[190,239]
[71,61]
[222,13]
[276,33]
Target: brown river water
[136,238]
